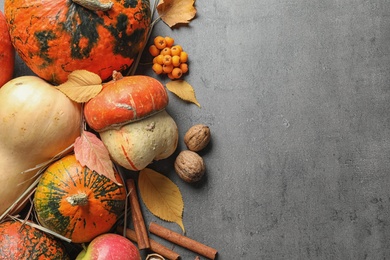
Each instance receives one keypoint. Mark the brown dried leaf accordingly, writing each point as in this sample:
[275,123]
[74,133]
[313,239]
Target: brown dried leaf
[174,12]
[81,86]
[161,196]
[183,90]
[91,152]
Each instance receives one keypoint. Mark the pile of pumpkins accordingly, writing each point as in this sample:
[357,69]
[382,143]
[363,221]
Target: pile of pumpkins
[39,123]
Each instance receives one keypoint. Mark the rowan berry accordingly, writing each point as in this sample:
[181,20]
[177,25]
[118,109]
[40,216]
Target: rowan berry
[176,61]
[160,43]
[157,68]
[184,67]
[167,60]
[175,50]
[153,50]
[177,73]
[178,47]
[159,59]
[166,51]
[167,68]
[169,41]
[183,56]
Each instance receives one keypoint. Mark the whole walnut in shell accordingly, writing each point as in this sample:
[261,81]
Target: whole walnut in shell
[197,137]
[189,166]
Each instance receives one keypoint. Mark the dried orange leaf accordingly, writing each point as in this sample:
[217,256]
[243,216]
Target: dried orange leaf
[183,90]
[174,12]
[161,196]
[81,86]
[91,152]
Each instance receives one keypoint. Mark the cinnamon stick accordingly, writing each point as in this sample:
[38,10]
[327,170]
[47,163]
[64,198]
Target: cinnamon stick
[154,246]
[136,215]
[183,241]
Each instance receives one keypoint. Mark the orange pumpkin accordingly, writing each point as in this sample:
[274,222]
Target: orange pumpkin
[77,202]
[18,241]
[7,52]
[56,37]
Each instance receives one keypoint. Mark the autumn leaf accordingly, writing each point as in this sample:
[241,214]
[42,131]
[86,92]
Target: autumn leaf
[183,90]
[91,152]
[81,86]
[174,12]
[161,196]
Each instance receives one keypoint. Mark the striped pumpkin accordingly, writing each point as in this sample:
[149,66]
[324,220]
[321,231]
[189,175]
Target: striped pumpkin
[77,202]
[21,241]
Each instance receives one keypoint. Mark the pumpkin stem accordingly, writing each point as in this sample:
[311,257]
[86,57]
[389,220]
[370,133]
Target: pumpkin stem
[80,199]
[94,5]
[116,75]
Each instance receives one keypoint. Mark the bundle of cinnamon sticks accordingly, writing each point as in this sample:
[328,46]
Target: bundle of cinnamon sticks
[140,234]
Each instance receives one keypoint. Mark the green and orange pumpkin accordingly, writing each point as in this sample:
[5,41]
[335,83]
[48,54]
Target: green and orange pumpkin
[22,241]
[56,37]
[76,202]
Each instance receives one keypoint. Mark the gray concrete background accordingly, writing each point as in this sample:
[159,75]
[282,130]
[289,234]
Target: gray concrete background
[296,94]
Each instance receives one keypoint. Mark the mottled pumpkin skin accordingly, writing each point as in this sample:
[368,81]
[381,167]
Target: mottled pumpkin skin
[7,52]
[80,223]
[18,241]
[56,37]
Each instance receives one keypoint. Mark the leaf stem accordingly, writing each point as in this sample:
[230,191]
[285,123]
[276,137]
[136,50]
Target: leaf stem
[154,8]
[136,62]
[94,5]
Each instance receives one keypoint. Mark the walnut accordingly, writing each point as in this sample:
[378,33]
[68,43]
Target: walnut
[189,166]
[197,137]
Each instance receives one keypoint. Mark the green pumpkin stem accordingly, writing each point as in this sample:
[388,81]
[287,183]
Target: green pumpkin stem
[80,199]
[94,5]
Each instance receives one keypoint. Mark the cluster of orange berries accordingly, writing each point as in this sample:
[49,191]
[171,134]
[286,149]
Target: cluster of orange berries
[168,58]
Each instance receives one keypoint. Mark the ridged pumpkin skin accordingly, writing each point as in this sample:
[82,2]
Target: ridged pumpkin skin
[56,37]
[76,202]
[18,241]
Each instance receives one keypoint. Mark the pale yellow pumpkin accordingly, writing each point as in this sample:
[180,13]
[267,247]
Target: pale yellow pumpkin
[37,122]
[135,145]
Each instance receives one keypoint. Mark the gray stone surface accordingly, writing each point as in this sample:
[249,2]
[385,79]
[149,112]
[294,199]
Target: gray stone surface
[296,94]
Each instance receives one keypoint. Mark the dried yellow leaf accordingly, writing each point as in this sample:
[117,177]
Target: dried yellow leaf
[161,196]
[81,86]
[174,12]
[183,90]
